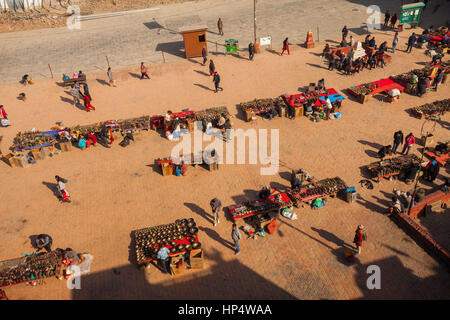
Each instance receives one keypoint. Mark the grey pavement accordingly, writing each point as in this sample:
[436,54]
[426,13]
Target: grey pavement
[128,40]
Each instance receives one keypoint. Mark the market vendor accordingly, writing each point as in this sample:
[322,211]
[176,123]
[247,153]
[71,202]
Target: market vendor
[163,257]
[43,241]
[421,87]
[328,107]
[385,150]
[431,170]
[221,122]
[71,257]
[264,194]
[321,84]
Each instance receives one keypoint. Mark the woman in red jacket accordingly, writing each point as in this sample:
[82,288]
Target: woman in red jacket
[359,237]
[87,103]
[409,141]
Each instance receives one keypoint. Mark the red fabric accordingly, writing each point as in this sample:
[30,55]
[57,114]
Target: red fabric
[93,138]
[4,114]
[358,239]
[410,141]
[286,48]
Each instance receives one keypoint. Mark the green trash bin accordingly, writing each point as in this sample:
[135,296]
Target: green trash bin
[228,45]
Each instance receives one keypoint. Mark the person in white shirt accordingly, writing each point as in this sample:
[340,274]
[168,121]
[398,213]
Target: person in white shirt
[328,107]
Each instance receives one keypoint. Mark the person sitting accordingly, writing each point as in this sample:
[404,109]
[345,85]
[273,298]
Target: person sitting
[264,194]
[321,84]
[367,40]
[65,77]
[126,139]
[82,143]
[383,47]
[272,112]
[386,150]
[421,87]
[80,74]
[372,42]
[296,183]
[75,75]
[26,79]
[43,241]
[92,138]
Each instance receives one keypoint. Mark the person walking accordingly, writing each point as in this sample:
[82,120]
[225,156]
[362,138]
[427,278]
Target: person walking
[144,71]
[212,68]
[86,91]
[43,241]
[395,42]
[251,51]
[411,40]
[387,16]
[344,34]
[204,55]
[220,26]
[87,103]
[75,93]
[216,205]
[438,79]
[409,141]
[61,186]
[393,20]
[360,236]
[216,81]
[398,139]
[4,117]
[285,47]
[332,62]
[163,257]
[236,236]
[112,82]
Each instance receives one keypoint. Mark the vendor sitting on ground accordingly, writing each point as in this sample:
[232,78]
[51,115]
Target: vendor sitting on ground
[82,143]
[386,150]
[71,257]
[264,194]
[26,79]
[421,87]
[321,84]
[43,241]
[296,183]
[221,122]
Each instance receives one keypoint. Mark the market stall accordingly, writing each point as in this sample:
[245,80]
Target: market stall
[30,267]
[409,80]
[263,107]
[169,165]
[181,238]
[329,187]
[364,91]
[432,110]
[312,103]
[388,168]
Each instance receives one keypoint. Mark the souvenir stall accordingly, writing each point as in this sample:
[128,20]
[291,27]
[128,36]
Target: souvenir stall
[30,268]
[409,80]
[432,110]
[392,167]
[262,107]
[312,103]
[364,91]
[34,140]
[172,123]
[170,165]
[329,187]
[212,115]
[180,237]
[440,152]
[261,213]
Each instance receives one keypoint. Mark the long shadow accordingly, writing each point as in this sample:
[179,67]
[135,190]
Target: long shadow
[240,113]
[53,187]
[371,206]
[331,238]
[316,65]
[304,233]
[78,105]
[200,211]
[60,84]
[371,144]
[134,75]
[202,73]
[383,202]
[279,186]
[215,236]
[203,86]
[103,82]
[132,249]
[316,54]
[194,61]
[248,195]
[155,168]
[371,153]
[175,48]
[273,51]
[222,280]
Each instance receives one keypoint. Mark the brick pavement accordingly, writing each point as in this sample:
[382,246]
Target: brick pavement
[127,40]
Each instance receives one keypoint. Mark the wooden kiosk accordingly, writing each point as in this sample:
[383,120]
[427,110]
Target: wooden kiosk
[194,40]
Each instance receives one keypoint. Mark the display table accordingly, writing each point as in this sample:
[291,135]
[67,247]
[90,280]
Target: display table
[362,92]
[321,189]
[431,110]
[393,166]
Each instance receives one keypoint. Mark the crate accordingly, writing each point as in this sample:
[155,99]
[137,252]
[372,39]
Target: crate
[177,266]
[298,111]
[38,154]
[196,259]
[19,161]
[351,197]
[426,141]
[191,125]
[250,115]
[364,98]
[65,146]
[213,166]
[167,169]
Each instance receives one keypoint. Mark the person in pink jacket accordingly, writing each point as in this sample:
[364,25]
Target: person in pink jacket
[409,141]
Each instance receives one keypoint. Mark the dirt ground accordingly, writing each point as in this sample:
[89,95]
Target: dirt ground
[54,15]
[117,190]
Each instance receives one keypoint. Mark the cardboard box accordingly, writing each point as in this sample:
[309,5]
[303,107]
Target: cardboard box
[250,115]
[65,146]
[38,154]
[298,111]
[177,266]
[213,166]
[426,141]
[351,197]
[167,169]
[19,161]
[196,259]
[364,98]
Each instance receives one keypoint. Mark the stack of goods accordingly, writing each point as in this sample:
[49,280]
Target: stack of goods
[179,237]
[326,187]
[362,92]
[258,207]
[212,114]
[134,124]
[262,107]
[32,140]
[393,166]
[431,110]
[30,268]
[405,78]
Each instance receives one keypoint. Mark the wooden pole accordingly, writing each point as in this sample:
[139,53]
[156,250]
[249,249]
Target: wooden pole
[50,70]
[216,48]
[107,60]
[254,16]
[164,59]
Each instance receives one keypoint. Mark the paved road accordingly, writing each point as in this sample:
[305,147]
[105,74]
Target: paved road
[127,40]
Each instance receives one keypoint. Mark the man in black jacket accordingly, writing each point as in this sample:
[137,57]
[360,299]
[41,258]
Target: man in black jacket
[398,140]
[217,82]
[215,206]
[411,40]
[251,51]
[344,33]
[43,241]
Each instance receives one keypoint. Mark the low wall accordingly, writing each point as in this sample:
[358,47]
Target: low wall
[21,4]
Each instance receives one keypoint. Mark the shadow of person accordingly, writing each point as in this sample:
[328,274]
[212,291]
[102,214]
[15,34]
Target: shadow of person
[78,105]
[103,82]
[215,236]
[202,73]
[202,86]
[134,75]
[52,187]
[331,238]
[200,211]
[340,256]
